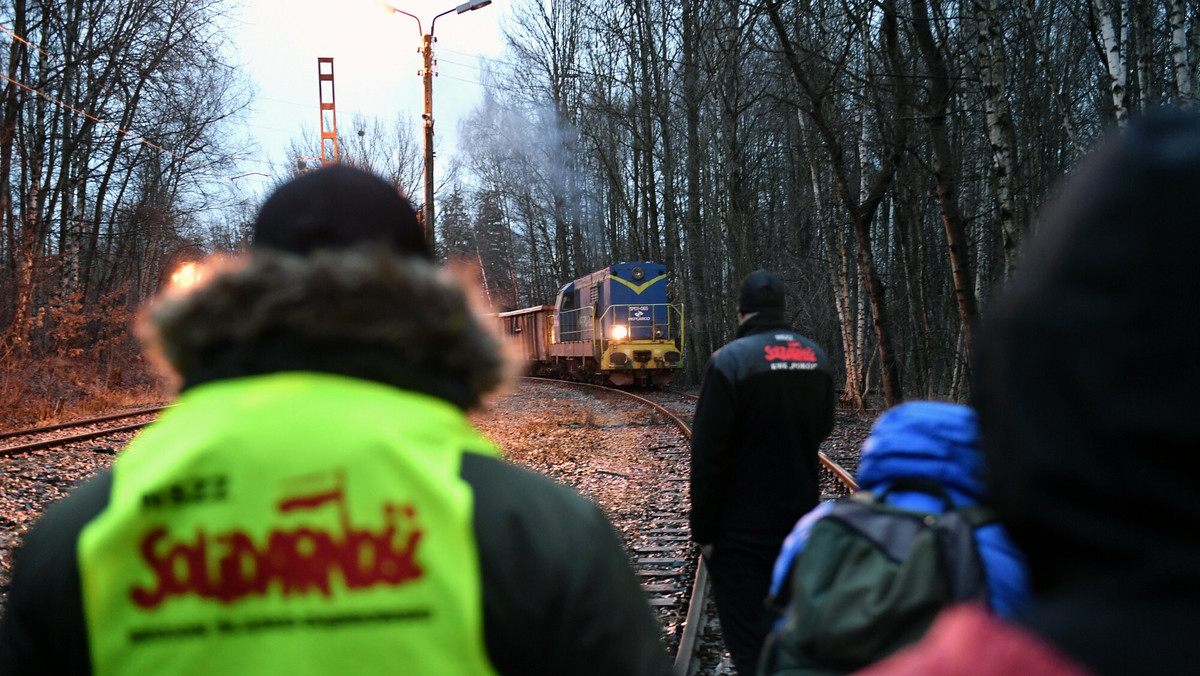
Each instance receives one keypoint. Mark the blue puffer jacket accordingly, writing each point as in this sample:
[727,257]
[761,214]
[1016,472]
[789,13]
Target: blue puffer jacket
[935,441]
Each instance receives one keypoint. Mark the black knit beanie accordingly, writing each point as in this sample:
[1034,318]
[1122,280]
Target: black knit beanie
[761,291]
[335,207]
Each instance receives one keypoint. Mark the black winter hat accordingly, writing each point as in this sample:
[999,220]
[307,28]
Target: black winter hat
[1088,360]
[761,291]
[335,207]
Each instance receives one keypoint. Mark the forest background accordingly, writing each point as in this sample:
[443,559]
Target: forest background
[885,157]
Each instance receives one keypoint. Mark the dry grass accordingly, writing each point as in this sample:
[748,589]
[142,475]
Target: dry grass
[51,389]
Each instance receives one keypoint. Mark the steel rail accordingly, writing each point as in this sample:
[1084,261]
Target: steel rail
[838,471]
[694,619]
[84,421]
[59,441]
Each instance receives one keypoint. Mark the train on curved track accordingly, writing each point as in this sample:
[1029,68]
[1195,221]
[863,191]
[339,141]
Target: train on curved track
[614,326]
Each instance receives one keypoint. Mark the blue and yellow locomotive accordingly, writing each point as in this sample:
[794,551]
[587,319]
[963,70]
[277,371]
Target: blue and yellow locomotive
[613,325]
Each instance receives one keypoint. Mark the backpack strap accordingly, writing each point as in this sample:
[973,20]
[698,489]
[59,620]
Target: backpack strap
[955,530]
[879,524]
[960,555]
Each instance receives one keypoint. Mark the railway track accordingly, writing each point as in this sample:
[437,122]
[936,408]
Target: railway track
[39,466]
[673,574]
[16,442]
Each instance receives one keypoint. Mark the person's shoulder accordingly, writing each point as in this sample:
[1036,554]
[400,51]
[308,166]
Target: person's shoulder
[63,520]
[770,335]
[510,495]
[740,347]
[771,349]
[45,588]
[970,639]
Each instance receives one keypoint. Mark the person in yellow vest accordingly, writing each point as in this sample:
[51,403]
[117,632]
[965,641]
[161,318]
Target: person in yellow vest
[317,502]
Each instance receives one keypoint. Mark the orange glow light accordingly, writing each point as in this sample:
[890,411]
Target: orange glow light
[187,275]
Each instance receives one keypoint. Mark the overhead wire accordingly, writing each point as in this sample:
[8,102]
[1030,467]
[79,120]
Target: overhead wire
[110,125]
[147,142]
[23,40]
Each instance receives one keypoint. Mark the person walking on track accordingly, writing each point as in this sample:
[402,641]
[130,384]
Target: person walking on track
[766,404]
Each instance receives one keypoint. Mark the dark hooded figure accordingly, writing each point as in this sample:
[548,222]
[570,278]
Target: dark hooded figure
[1087,394]
[317,502]
[765,406]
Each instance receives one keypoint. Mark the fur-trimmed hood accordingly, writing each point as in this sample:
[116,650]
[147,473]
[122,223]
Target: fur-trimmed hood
[361,313]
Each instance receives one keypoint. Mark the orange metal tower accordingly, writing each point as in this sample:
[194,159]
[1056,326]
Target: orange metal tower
[328,131]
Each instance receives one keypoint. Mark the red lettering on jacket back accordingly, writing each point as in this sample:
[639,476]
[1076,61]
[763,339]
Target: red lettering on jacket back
[230,566]
[793,351]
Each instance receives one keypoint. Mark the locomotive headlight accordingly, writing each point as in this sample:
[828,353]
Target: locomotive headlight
[619,332]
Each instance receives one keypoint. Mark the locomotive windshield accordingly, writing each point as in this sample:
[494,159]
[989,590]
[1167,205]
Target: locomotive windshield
[566,297]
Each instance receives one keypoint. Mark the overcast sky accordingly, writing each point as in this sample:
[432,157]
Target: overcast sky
[376,59]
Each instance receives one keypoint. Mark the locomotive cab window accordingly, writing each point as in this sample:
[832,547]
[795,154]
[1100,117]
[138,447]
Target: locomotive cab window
[566,297]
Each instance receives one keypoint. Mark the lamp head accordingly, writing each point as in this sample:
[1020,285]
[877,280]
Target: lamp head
[469,6]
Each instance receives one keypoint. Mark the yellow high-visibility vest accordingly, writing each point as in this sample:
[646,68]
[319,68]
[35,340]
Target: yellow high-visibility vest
[293,523]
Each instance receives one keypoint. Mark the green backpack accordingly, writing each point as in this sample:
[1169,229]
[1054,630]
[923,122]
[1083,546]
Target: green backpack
[869,582]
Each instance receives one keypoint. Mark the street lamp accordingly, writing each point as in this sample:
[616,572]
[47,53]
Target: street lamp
[427,116]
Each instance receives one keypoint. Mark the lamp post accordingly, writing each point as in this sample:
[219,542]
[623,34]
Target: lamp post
[427,116]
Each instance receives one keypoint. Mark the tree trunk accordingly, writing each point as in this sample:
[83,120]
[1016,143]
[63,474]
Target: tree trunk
[736,222]
[700,313]
[836,258]
[998,120]
[17,53]
[662,109]
[1111,32]
[939,94]
[861,212]
[1179,52]
[1047,71]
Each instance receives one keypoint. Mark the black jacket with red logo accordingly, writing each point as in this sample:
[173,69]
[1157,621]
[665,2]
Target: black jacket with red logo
[766,404]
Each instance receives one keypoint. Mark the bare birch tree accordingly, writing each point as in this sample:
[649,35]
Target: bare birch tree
[1112,17]
[861,211]
[938,97]
[1184,76]
[998,120]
